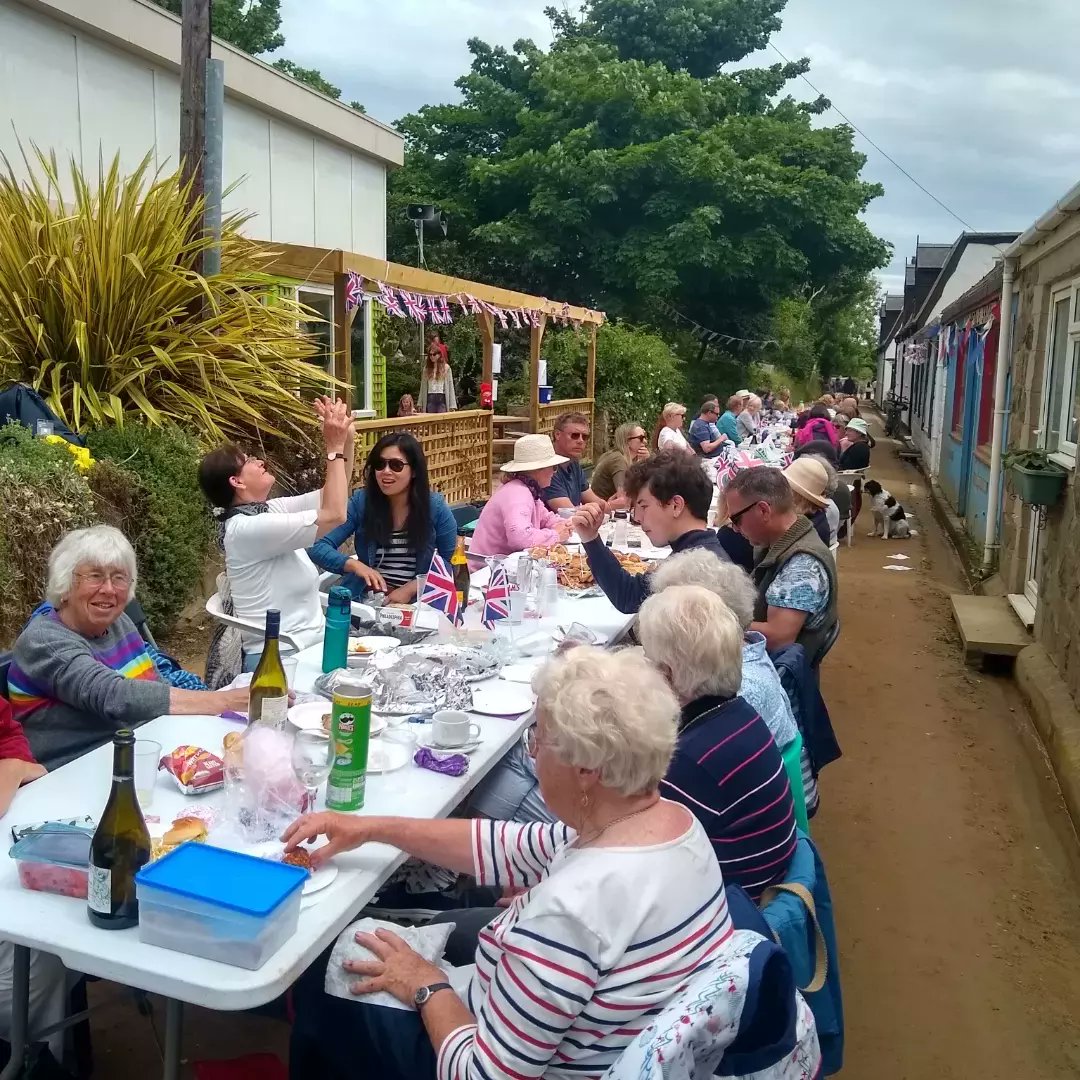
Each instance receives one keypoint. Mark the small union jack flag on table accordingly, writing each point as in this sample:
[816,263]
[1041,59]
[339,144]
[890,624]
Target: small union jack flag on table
[440,591]
[496,598]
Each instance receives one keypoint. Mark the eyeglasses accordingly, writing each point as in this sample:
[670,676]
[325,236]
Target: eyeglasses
[737,517]
[96,578]
[637,438]
[531,739]
[577,436]
[395,465]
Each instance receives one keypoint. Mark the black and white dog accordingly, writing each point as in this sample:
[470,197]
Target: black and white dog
[889,517]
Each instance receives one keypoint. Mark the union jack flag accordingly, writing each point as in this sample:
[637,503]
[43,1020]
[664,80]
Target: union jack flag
[475,307]
[441,305]
[515,318]
[496,598]
[440,591]
[389,300]
[354,291]
[415,304]
[500,315]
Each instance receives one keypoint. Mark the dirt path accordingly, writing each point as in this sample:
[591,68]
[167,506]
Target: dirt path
[953,865]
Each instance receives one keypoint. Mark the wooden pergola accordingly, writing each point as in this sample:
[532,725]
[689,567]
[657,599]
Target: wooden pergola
[446,434]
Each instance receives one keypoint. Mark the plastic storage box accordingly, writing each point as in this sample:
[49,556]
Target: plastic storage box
[206,901]
[54,858]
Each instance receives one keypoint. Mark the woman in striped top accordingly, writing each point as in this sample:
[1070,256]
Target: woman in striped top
[727,768]
[595,942]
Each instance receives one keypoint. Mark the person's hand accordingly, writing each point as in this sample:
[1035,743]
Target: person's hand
[403,594]
[563,531]
[617,502]
[509,895]
[587,521]
[235,700]
[371,578]
[337,423]
[21,772]
[398,968]
[344,832]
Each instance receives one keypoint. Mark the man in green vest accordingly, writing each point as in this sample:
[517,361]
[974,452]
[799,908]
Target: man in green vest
[794,571]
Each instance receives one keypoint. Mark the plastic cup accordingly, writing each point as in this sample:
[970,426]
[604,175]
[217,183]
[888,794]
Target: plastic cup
[147,758]
[289,663]
[517,607]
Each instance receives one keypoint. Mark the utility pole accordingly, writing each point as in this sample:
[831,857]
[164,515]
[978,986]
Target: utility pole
[194,54]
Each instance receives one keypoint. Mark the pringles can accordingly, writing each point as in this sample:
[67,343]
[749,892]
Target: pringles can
[350,730]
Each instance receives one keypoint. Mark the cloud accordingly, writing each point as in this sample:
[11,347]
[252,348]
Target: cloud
[977,99]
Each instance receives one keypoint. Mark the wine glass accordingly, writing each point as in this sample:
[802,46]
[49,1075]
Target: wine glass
[312,760]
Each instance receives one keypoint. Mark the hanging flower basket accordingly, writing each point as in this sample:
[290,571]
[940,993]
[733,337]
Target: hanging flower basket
[1036,479]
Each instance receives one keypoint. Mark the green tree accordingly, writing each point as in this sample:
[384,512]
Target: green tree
[618,169]
[310,76]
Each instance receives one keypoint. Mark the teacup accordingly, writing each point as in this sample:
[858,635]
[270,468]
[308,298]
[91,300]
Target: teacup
[451,728]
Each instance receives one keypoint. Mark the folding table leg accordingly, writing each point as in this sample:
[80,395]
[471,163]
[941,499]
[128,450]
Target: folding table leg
[20,1012]
[174,1022]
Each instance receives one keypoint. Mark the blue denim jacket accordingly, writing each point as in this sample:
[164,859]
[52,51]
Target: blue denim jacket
[326,556]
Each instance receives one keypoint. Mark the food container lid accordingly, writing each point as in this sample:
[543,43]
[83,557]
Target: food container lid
[58,845]
[227,879]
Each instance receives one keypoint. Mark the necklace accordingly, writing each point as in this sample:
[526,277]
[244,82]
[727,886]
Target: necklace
[616,821]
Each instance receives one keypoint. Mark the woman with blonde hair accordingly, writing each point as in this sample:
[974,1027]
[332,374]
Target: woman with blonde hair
[749,420]
[667,435]
[631,445]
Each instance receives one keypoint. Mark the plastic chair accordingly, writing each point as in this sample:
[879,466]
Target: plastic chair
[826,645]
[792,755]
[217,613]
[833,549]
[134,611]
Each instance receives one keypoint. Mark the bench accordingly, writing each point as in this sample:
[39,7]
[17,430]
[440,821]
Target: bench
[909,451]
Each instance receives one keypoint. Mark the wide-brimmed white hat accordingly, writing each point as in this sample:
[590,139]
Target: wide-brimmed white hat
[809,479]
[858,425]
[742,393]
[533,452]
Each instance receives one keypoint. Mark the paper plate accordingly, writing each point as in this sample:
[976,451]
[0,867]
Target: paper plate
[521,673]
[319,879]
[502,699]
[309,717]
[385,757]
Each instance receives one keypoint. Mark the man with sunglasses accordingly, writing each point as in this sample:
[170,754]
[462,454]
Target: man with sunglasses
[670,495]
[704,435]
[795,572]
[569,486]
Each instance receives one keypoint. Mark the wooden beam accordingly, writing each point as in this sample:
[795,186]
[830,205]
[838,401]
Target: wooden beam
[536,337]
[590,371]
[194,53]
[486,323]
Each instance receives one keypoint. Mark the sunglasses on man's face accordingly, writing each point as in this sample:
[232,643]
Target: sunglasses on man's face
[577,436]
[735,518]
[395,465]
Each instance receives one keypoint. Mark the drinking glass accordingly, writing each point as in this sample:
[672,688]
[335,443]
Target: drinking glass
[312,760]
[147,758]
[289,663]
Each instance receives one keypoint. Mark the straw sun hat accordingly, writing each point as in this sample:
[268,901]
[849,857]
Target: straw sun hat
[533,452]
[809,479]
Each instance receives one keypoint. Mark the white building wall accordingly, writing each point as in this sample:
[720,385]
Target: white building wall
[68,91]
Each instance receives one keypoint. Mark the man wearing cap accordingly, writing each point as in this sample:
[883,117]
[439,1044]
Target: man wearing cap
[728,424]
[857,453]
[569,486]
[795,572]
[671,496]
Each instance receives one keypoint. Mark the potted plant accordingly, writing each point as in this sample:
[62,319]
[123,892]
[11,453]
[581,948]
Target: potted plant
[1036,479]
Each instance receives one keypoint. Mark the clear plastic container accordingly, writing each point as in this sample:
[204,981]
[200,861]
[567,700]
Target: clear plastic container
[206,901]
[54,859]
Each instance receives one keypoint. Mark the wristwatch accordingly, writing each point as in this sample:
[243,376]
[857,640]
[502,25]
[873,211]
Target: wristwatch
[424,994]
[335,457]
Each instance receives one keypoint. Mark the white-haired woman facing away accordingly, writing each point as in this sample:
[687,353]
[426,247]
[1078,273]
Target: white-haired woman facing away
[761,686]
[597,941]
[80,671]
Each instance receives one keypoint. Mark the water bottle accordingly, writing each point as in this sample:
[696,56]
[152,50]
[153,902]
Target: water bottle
[335,649]
[622,529]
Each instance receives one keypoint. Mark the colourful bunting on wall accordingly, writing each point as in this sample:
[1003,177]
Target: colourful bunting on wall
[389,300]
[354,291]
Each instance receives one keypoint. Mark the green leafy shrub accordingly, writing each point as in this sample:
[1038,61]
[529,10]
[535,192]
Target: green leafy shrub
[163,513]
[45,496]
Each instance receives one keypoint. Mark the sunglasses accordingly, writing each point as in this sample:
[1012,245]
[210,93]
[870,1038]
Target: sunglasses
[734,519]
[637,438]
[395,465]
[577,436]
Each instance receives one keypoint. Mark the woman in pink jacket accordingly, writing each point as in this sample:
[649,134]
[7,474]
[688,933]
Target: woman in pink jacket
[516,517]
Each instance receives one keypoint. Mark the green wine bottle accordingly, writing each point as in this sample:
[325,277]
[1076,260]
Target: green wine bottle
[268,703]
[120,847]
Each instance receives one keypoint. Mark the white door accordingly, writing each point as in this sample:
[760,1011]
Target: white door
[1035,558]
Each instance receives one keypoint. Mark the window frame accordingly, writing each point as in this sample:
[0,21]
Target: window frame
[1065,453]
[294,289]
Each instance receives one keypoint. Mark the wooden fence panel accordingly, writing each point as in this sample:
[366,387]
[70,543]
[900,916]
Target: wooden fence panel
[457,446]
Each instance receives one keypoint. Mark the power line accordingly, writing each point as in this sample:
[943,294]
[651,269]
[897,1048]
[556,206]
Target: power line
[888,157]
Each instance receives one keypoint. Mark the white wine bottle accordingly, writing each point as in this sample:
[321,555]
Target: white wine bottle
[120,847]
[268,703]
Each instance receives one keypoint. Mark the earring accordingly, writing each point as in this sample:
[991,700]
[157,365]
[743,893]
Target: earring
[584,811]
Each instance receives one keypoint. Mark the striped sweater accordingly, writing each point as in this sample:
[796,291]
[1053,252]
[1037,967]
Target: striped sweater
[71,693]
[728,771]
[579,965]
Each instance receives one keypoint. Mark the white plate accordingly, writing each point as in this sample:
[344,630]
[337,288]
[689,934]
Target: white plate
[319,879]
[520,673]
[366,646]
[309,717]
[385,757]
[502,699]
[427,739]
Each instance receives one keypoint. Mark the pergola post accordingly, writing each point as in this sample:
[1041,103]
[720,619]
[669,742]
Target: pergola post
[486,322]
[536,336]
[590,389]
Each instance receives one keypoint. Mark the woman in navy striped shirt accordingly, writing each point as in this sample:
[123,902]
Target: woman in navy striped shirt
[595,943]
[727,768]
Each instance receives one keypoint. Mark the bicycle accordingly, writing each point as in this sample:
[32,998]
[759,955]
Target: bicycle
[894,410]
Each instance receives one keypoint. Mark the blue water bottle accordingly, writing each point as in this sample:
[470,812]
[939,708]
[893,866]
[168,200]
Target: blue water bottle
[335,649]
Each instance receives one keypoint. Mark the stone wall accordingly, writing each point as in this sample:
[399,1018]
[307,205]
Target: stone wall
[1057,624]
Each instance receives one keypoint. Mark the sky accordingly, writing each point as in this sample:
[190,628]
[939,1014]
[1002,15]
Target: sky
[977,99]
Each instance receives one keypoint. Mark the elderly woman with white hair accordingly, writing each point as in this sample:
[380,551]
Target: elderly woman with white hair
[727,768]
[80,670]
[748,422]
[596,939]
[761,686]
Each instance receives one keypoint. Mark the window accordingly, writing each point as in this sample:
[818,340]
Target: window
[1062,420]
[986,392]
[320,327]
[958,384]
